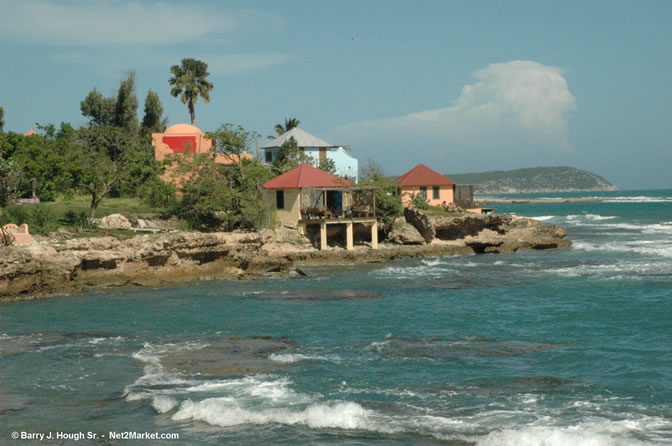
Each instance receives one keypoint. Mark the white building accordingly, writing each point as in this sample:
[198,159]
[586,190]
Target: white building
[346,165]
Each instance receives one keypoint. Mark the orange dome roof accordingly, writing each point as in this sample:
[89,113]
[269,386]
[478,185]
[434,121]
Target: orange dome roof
[183,129]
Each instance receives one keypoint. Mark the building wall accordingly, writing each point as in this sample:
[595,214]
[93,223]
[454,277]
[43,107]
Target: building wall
[446,193]
[197,143]
[346,165]
[170,144]
[291,214]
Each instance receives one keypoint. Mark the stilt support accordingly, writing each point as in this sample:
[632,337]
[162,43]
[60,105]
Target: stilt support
[323,235]
[374,235]
[349,236]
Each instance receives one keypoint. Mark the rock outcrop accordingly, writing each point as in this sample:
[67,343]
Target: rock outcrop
[489,233]
[57,266]
[422,223]
[404,233]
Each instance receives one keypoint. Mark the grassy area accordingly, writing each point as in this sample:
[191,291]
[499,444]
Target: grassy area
[440,212]
[72,213]
[82,203]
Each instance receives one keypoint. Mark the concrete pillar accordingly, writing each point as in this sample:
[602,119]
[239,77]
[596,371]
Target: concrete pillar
[374,235]
[349,235]
[301,228]
[323,235]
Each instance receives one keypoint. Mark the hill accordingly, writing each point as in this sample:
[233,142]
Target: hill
[534,180]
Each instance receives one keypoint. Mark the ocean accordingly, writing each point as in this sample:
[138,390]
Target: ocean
[567,347]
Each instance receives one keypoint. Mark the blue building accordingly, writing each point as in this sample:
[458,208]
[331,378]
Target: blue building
[317,148]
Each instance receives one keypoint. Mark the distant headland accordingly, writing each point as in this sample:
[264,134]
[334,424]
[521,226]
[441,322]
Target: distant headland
[534,180]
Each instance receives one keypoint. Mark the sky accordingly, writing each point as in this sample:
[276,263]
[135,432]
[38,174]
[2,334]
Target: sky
[461,86]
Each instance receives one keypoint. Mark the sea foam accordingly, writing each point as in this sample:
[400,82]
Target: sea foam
[598,434]
[227,412]
[289,358]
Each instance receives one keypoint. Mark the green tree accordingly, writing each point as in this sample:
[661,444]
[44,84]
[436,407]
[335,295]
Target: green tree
[328,165]
[2,119]
[290,123]
[99,161]
[153,120]
[10,181]
[189,82]
[205,192]
[290,156]
[219,197]
[126,106]
[222,197]
[99,109]
[233,142]
[42,166]
[388,202]
[40,160]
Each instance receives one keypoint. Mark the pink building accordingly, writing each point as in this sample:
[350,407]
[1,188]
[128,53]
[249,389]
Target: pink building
[186,138]
[437,189]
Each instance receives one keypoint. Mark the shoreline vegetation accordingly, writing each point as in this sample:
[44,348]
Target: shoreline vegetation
[53,266]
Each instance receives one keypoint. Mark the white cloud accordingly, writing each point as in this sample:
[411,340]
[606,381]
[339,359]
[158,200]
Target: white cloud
[229,64]
[90,23]
[513,108]
[111,63]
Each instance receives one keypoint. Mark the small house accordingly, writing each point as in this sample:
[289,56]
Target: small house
[307,196]
[437,189]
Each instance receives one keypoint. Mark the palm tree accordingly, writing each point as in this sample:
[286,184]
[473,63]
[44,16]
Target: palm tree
[290,123]
[189,80]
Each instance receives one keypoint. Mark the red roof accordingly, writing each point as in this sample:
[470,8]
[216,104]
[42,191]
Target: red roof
[305,176]
[422,175]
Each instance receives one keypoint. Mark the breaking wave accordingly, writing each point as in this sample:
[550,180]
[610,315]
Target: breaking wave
[288,358]
[640,199]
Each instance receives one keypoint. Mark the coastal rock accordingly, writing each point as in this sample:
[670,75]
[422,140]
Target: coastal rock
[228,356]
[422,223]
[57,266]
[115,221]
[404,233]
[504,233]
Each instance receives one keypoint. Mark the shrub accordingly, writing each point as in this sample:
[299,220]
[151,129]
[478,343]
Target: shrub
[43,216]
[14,214]
[158,193]
[80,220]
[419,202]
[388,202]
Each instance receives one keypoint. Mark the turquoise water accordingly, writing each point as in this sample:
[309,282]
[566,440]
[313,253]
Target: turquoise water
[570,347]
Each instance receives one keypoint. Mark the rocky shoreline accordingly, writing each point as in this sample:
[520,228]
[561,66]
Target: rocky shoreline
[54,266]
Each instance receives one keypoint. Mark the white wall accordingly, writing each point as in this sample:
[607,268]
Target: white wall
[346,165]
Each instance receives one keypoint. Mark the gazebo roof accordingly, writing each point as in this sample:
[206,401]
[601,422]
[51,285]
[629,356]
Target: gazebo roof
[302,138]
[422,175]
[306,176]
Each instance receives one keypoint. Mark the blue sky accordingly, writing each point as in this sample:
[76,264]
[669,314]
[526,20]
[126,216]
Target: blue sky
[461,86]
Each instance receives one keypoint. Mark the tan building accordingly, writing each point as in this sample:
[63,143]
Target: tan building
[437,189]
